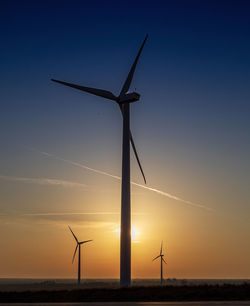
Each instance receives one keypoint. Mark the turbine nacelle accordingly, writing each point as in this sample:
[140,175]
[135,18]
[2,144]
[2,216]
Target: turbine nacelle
[128,97]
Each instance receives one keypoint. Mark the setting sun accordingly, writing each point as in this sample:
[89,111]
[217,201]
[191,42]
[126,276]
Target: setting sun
[134,233]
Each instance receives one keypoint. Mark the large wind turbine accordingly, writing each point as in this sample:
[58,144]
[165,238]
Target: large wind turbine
[123,100]
[78,244]
[162,260]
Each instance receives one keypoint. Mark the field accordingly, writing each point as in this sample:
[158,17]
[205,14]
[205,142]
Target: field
[108,290]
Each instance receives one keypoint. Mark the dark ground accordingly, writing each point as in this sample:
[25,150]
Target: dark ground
[225,292]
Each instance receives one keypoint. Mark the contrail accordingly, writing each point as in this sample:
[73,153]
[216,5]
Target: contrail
[171,196]
[160,192]
[41,181]
[76,164]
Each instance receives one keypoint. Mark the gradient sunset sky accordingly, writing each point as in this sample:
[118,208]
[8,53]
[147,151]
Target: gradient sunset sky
[60,157]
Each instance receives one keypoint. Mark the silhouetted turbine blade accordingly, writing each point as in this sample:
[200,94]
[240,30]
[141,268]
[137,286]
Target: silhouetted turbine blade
[156,257]
[137,157]
[73,234]
[95,91]
[127,83]
[75,253]
[161,248]
[164,260]
[85,241]
[134,149]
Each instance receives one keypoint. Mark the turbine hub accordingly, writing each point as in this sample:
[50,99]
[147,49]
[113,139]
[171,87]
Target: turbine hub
[128,97]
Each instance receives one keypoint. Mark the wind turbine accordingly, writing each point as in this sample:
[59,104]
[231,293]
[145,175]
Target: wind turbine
[78,244]
[123,100]
[162,260]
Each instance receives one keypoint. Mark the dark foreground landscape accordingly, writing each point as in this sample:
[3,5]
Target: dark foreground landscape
[225,292]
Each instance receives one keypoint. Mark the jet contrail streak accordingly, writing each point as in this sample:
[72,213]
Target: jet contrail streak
[160,192]
[41,181]
[76,164]
[166,194]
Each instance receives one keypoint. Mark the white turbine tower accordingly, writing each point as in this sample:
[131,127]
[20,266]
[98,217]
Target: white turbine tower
[123,99]
[162,260]
[78,246]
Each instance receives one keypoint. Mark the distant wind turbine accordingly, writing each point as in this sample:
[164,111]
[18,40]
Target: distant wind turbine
[78,244]
[162,260]
[123,100]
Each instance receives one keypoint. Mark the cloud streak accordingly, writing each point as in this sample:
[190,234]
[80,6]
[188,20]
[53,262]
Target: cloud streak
[69,214]
[100,213]
[160,192]
[42,181]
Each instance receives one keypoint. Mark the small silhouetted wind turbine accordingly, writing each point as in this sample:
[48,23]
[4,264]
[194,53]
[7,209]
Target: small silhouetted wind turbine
[123,99]
[162,260]
[78,244]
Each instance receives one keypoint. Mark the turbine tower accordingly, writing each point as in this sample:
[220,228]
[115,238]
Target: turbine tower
[123,100]
[78,244]
[162,260]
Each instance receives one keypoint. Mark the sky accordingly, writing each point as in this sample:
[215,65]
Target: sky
[60,157]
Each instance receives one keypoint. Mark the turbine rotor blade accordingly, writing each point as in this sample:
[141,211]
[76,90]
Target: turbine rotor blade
[74,253]
[164,260]
[156,257]
[161,248]
[73,234]
[137,157]
[95,91]
[134,149]
[127,83]
[85,241]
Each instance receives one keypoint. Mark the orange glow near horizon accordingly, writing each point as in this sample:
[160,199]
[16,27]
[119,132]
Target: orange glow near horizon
[40,236]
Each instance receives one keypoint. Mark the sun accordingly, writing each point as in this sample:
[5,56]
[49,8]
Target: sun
[134,233]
